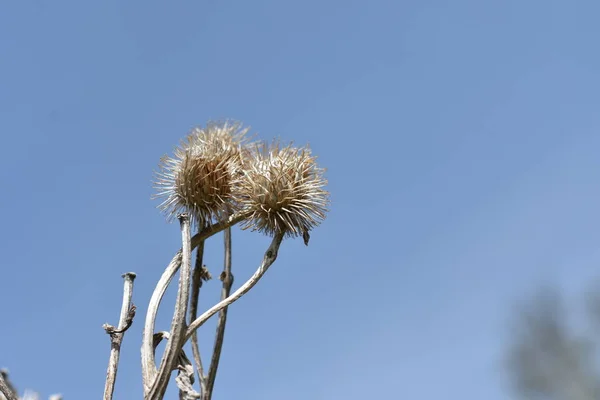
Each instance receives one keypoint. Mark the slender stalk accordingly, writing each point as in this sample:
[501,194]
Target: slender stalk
[116,337]
[200,273]
[268,259]
[173,347]
[227,279]
[147,351]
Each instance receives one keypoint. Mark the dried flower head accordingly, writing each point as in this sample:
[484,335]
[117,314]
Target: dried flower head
[200,178]
[282,191]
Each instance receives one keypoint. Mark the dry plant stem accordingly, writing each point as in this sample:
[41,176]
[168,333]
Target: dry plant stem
[148,362]
[6,390]
[268,260]
[178,324]
[196,285]
[227,279]
[117,338]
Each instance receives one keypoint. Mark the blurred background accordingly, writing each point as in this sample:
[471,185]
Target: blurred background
[461,143]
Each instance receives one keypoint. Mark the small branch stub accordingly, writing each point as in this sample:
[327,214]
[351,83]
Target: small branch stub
[111,330]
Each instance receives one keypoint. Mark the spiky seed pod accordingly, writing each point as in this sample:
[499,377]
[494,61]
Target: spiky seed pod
[199,179]
[282,191]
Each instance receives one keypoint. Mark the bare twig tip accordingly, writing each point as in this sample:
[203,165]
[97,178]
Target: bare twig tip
[129,275]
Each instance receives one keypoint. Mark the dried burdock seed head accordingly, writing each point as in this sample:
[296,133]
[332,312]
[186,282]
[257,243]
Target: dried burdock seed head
[282,191]
[200,178]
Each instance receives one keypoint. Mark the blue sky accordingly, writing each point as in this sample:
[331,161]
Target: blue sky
[461,142]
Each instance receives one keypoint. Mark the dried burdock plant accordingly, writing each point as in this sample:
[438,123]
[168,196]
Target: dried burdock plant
[214,181]
[282,191]
[216,178]
[200,178]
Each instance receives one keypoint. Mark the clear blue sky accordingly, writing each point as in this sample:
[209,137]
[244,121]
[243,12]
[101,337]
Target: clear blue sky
[461,140]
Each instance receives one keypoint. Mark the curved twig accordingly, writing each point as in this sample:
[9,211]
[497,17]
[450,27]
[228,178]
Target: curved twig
[269,258]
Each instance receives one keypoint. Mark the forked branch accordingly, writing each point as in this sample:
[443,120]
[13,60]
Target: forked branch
[117,334]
